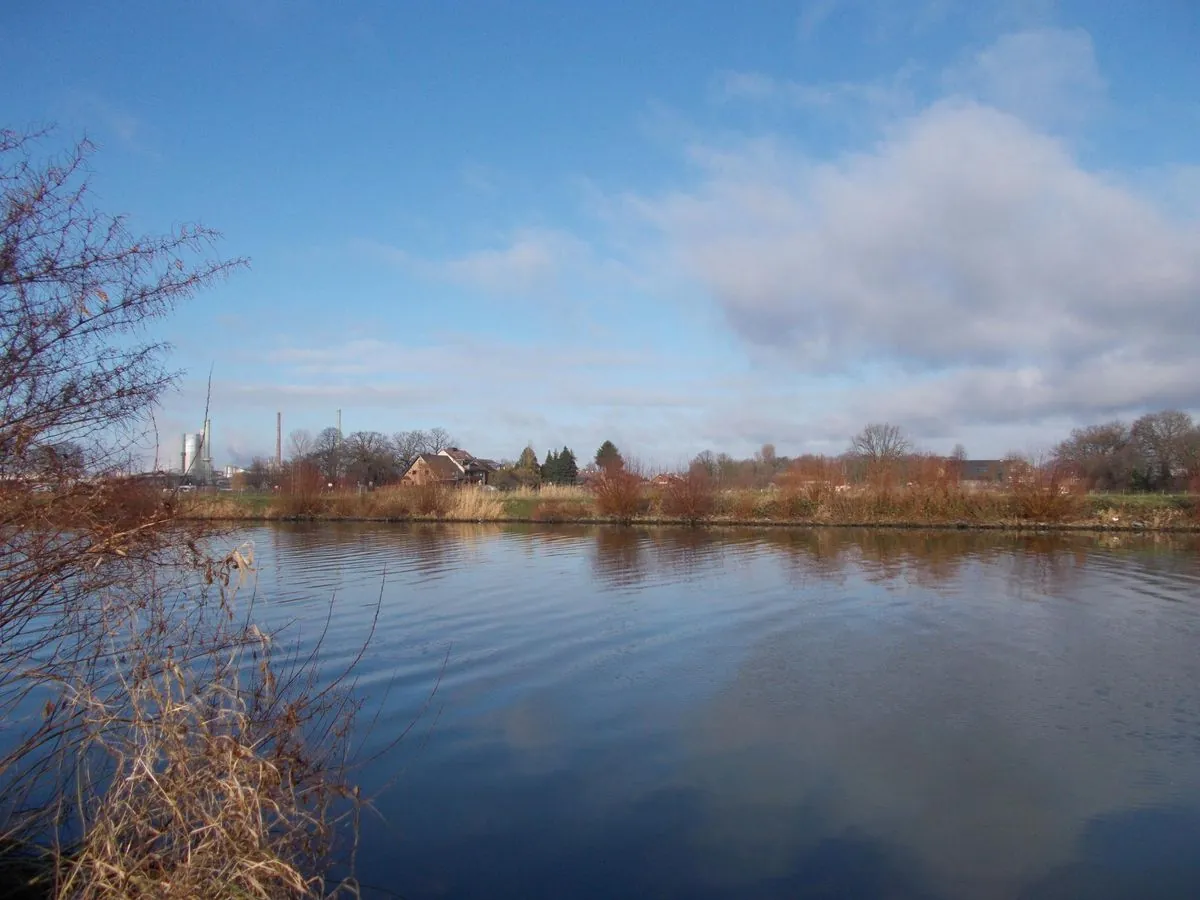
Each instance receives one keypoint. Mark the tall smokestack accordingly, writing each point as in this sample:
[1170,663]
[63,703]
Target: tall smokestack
[279,440]
[339,424]
[206,440]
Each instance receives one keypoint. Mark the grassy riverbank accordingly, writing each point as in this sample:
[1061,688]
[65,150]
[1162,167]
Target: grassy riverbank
[684,504]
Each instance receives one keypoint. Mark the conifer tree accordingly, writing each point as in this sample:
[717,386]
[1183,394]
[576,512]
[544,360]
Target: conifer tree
[609,457]
[550,472]
[568,468]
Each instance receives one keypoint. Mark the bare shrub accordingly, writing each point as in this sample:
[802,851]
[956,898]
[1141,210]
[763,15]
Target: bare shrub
[816,478]
[1046,492]
[430,498]
[794,505]
[741,505]
[690,497]
[153,748]
[301,490]
[619,493]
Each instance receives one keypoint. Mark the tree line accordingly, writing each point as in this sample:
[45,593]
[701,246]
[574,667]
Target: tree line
[1159,451]
[371,459]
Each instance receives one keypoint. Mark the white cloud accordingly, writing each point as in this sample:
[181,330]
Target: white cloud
[1047,76]
[531,260]
[969,255]
[886,95]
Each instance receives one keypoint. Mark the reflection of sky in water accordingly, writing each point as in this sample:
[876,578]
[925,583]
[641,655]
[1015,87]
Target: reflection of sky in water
[773,713]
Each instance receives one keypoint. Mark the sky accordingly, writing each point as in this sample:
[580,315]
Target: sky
[678,226]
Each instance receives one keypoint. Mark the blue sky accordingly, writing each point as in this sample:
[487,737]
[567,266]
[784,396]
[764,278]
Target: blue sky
[680,226]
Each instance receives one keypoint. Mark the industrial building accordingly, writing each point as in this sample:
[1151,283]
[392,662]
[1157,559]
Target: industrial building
[195,455]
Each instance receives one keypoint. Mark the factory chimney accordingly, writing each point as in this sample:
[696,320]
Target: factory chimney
[339,425]
[279,440]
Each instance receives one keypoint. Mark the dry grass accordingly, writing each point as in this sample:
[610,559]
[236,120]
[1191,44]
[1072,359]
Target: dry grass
[554,510]
[474,504]
[552,492]
[195,808]
[189,762]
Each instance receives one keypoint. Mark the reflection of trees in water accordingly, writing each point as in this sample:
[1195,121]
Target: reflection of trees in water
[1048,562]
[683,554]
[619,558]
[428,548]
[626,556]
[539,538]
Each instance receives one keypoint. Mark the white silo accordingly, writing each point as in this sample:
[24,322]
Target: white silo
[191,453]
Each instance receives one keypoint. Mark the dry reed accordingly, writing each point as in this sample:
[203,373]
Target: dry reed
[199,766]
[474,504]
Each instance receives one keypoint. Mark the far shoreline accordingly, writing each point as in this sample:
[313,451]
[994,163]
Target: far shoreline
[1015,527]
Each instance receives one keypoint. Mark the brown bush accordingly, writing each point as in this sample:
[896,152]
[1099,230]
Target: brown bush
[429,499]
[689,497]
[816,478]
[739,505]
[301,505]
[795,505]
[619,494]
[1044,493]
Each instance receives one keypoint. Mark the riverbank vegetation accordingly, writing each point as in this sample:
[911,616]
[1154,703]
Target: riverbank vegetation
[1115,475]
[693,499]
[880,480]
[153,746]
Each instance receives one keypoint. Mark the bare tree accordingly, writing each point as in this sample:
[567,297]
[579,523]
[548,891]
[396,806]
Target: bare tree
[1165,441]
[328,454]
[300,444]
[370,458]
[880,442]
[438,439]
[706,462]
[409,444]
[144,720]
[76,289]
[1105,455]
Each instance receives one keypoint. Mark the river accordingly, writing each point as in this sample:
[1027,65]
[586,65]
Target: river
[761,713]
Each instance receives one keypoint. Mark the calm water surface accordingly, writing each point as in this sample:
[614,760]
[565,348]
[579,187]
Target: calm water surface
[779,713]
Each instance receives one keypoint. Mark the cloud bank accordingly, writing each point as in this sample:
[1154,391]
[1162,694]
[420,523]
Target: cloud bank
[967,265]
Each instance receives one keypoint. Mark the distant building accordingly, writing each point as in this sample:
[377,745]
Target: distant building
[450,466]
[983,473]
